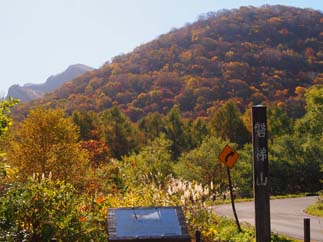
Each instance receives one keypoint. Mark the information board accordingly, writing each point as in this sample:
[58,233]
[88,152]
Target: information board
[153,224]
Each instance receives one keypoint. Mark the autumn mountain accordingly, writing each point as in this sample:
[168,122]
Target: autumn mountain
[251,55]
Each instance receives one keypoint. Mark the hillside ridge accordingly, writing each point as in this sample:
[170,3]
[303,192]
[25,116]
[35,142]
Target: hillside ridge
[269,54]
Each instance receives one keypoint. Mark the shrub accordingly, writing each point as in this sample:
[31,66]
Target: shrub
[42,209]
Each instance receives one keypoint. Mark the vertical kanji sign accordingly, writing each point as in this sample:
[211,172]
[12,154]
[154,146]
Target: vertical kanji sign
[260,173]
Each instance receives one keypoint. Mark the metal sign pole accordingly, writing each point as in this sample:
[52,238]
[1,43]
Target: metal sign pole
[232,201]
[229,156]
[260,173]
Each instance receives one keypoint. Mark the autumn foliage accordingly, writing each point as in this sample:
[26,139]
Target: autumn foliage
[146,128]
[255,55]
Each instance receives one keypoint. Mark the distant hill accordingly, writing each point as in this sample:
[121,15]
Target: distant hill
[29,92]
[250,55]
[23,93]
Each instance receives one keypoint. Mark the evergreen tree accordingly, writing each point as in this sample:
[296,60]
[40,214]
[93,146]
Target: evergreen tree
[119,133]
[88,123]
[227,124]
[152,126]
[199,131]
[176,132]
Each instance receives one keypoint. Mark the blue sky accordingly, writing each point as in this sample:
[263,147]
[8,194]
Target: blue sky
[40,38]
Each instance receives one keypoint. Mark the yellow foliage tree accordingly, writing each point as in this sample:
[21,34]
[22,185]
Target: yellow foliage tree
[46,141]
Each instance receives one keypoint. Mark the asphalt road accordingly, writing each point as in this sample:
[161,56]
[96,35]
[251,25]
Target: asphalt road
[287,216]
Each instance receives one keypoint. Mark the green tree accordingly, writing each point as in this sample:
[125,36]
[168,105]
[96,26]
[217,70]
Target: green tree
[295,165]
[5,123]
[227,124]
[278,123]
[152,125]
[202,164]
[311,125]
[311,179]
[242,173]
[46,141]
[309,129]
[176,131]
[153,164]
[119,133]
[198,131]
[88,123]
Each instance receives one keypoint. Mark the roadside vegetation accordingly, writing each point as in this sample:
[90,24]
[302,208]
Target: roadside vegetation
[317,208]
[60,174]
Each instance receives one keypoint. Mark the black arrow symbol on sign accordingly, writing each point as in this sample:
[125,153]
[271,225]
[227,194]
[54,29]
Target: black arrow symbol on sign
[228,155]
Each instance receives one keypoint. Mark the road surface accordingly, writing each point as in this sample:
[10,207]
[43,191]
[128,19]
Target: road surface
[287,216]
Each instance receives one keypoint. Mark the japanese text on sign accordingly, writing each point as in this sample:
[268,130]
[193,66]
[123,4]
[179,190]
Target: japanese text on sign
[260,130]
[261,154]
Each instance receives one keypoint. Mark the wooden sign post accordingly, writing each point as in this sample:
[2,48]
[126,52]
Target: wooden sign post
[260,173]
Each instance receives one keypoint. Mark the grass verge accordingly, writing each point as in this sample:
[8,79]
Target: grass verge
[316,209]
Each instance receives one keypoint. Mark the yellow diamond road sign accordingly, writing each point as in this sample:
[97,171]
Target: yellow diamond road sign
[228,156]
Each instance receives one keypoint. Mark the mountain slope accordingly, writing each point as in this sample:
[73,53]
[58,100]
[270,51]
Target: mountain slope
[28,92]
[251,55]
